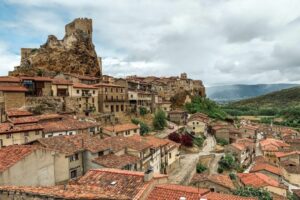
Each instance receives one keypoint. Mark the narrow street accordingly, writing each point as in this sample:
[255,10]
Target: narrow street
[188,162]
[166,132]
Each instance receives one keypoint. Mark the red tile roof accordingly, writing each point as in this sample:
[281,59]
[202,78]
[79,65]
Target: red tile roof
[257,180]
[267,167]
[13,88]
[61,81]
[17,113]
[66,124]
[73,144]
[37,78]
[9,79]
[6,128]
[121,127]
[223,180]
[68,192]
[220,196]
[108,85]
[12,154]
[23,120]
[151,140]
[170,191]
[115,161]
[271,144]
[83,86]
[281,154]
[115,181]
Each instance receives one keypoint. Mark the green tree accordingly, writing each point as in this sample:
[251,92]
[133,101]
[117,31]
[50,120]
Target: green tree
[200,168]
[221,141]
[144,128]
[253,192]
[160,120]
[227,162]
[143,111]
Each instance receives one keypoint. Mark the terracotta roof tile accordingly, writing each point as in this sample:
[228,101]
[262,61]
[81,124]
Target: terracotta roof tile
[10,128]
[17,113]
[257,180]
[267,167]
[61,81]
[83,86]
[23,120]
[98,85]
[219,196]
[121,127]
[115,161]
[13,88]
[151,140]
[223,180]
[9,79]
[37,78]
[12,154]
[271,144]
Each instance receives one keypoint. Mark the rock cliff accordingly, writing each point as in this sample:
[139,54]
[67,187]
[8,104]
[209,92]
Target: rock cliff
[75,53]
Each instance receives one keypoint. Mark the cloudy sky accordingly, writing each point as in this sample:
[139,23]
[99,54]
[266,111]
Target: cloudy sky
[218,41]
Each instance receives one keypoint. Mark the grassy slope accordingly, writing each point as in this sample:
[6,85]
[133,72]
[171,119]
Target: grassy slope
[281,99]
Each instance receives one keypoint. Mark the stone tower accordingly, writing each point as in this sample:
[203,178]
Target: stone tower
[83,24]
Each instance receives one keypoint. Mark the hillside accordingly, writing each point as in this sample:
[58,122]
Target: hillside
[238,92]
[279,99]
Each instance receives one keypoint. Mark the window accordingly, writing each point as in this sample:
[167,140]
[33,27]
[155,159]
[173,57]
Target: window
[26,134]
[8,136]
[134,130]
[1,143]
[170,155]
[94,91]
[106,97]
[112,98]
[78,91]
[37,132]
[105,89]
[93,100]
[74,173]
[122,108]
[131,96]
[117,108]
[74,157]
[111,89]
[79,105]
[121,90]
[101,153]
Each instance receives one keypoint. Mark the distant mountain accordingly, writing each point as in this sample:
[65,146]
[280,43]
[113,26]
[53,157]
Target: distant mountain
[279,99]
[228,93]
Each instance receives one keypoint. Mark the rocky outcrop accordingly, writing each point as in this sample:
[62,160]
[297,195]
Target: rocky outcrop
[75,53]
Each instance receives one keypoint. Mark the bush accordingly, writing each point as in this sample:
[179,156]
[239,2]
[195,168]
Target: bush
[144,128]
[143,111]
[262,194]
[160,120]
[220,170]
[227,162]
[135,121]
[198,141]
[232,176]
[186,140]
[175,137]
[222,141]
[200,168]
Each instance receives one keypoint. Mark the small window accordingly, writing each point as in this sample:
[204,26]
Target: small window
[26,134]
[8,136]
[94,92]
[79,105]
[105,89]
[170,155]
[76,156]
[93,100]
[78,91]
[74,173]
[111,90]
[101,153]
[135,130]
[37,132]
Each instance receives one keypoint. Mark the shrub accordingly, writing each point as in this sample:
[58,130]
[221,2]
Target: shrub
[262,194]
[227,162]
[200,168]
[222,141]
[143,111]
[175,137]
[186,140]
[198,141]
[144,128]
[232,176]
[220,170]
[135,121]
[160,120]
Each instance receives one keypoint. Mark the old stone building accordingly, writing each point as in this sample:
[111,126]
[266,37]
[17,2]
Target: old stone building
[112,98]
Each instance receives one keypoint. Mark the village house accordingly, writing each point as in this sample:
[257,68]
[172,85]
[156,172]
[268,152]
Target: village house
[126,130]
[220,131]
[294,143]
[22,165]
[140,99]
[165,153]
[77,78]
[105,184]
[215,183]
[178,116]
[270,145]
[198,124]
[268,169]
[112,98]
[37,86]
[291,171]
[249,131]
[243,150]
[12,97]
[287,155]
[87,97]
[259,180]
[61,87]
[164,106]
[12,133]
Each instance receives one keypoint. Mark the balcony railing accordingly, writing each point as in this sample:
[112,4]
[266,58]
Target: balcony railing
[86,94]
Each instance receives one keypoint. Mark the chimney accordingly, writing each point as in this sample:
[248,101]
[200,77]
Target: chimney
[148,175]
